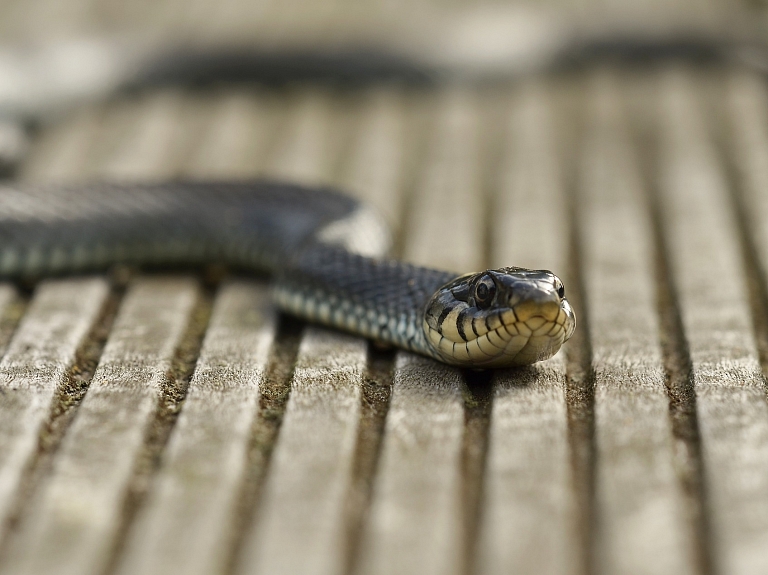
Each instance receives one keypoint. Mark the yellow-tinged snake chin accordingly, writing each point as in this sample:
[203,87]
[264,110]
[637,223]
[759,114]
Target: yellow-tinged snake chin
[499,318]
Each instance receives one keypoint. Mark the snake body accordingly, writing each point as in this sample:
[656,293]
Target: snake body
[325,251]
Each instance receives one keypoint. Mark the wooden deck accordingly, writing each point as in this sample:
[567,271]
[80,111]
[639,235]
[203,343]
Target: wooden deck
[160,424]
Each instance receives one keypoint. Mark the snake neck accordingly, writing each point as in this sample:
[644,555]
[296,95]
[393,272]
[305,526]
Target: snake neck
[379,299]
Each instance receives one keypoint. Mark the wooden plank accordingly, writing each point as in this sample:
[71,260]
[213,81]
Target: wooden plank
[98,455]
[746,112]
[71,524]
[199,480]
[56,325]
[36,365]
[376,163]
[157,545]
[285,540]
[154,137]
[376,173]
[730,391]
[527,521]
[415,523]
[641,521]
[300,526]
[240,130]
[187,520]
[64,150]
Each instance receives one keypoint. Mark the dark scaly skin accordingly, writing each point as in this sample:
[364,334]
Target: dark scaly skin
[47,230]
[383,300]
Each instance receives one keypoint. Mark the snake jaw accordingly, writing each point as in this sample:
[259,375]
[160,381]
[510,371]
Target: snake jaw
[519,317]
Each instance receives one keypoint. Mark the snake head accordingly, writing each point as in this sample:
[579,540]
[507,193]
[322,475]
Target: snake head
[499,318]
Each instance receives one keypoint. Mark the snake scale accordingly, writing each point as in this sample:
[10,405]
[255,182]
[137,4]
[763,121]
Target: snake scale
[326,253]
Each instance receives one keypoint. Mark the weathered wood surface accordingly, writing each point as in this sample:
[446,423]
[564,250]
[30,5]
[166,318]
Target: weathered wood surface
[639,501]
[715,308]
[156,424]
[416,518]
[529,517]
[299,527]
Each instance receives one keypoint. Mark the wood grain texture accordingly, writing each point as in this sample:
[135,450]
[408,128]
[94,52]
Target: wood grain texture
[36,365]
[709,275]
[300,524]
[78,510]
[527,521]
[415,523]
[185,527]
[77,513]
[641,522]
[431,162]
[199,481]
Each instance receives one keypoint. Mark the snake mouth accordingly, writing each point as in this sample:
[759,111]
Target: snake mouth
[536,338]
[503,338]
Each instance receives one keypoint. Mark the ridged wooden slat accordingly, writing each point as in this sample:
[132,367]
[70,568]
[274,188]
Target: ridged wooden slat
[187,520]
[154,139]
[79,509]
[240,130]
[199,481]
[746,105]
[300,524]
[415,523]
[527,520]
[284,540]
[746,116]
[376,164]
[640,510]
[36,365]
[710,278]
[56,324]
[72,522]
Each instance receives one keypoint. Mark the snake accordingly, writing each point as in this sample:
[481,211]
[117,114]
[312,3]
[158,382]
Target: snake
[326,254]
[325,251]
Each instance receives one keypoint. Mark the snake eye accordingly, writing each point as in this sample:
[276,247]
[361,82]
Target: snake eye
[485,291]
[560,289]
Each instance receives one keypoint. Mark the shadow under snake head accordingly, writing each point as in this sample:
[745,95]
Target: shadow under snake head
[497,318]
